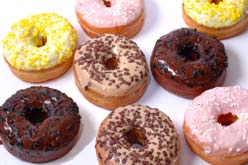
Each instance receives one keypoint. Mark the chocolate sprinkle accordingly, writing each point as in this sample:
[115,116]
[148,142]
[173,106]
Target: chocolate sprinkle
[160,145]
[91,57]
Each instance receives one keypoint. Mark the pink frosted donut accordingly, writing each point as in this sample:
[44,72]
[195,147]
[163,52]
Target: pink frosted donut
[216,125]
[123,17]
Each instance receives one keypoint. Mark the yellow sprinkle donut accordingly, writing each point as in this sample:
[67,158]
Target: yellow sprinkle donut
[216,15]
[40,43]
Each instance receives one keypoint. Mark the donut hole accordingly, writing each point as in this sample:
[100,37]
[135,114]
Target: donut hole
[39,41]
[215,1]
[189,53]
[227,119]
[107,3]
[111,63]
[35,115]
[136,138]
[42,41]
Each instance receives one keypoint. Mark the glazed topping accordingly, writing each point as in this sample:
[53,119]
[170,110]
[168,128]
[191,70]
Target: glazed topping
[138,134]
[110,63]
[109,13]
[39,42]
[216,13]
[217,115]
[37,120]
[190,57]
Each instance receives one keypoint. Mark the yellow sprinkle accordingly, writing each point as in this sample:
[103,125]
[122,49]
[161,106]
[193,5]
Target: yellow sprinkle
[225,13]
[40,41]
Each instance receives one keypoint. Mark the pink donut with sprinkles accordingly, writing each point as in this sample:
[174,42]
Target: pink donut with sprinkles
[216,125]
[123,17]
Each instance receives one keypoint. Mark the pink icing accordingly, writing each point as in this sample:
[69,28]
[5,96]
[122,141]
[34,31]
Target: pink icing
[202,114]
[120,13]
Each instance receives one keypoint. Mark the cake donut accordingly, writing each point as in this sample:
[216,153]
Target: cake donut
[39,124]
[187,62]
[215,126]
[219,18]
[110,71]
[40,47]
[120,17]
[137,134]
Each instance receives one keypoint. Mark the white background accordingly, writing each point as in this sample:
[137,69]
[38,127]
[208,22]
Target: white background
[162,16]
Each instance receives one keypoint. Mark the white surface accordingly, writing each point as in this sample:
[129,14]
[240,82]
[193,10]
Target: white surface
[162,16]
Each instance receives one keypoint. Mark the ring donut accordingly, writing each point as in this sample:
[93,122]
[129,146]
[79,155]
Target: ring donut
[110,71]
[39,124]
[219,18]
[40,47]
[120,17]
[187,62]
[215,126]
[137,134]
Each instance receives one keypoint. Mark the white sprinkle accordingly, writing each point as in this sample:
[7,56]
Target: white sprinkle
[216,104]
[54,98]
[216,146]
[236,87]
[102,22]
[230,149]
[218,109]
[207,102]
[125,19]
[47,102]
[207,150]
[244,134]
[97,21]
[212,117]
[238,149]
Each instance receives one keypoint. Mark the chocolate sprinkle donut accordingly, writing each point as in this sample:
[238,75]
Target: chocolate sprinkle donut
[137,134]
[187,62]
[39,124]
[113,67]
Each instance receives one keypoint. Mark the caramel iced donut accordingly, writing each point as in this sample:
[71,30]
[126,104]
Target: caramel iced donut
[187,62]
[40,47]
[137,134]
[219,18]
[110,71]
[121,17]
[215,126]
[39,124]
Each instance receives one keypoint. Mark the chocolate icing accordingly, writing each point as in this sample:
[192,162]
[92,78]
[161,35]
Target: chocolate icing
[39,124]
[189,58]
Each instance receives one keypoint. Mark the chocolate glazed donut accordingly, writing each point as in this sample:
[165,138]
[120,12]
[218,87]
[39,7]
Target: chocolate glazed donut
[39,124]
[187,62]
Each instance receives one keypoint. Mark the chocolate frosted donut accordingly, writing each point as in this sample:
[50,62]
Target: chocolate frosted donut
[137,134]
[187,62]
[111,71]
[39,124]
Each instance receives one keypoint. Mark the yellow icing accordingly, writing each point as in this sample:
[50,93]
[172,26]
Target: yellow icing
[39,42]
[225,13]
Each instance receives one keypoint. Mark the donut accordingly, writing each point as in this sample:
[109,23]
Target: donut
[40,47]
[120,17]
[219,18]
[137,134]
[215,125]
[110,71]
[187,62]
[39,124]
